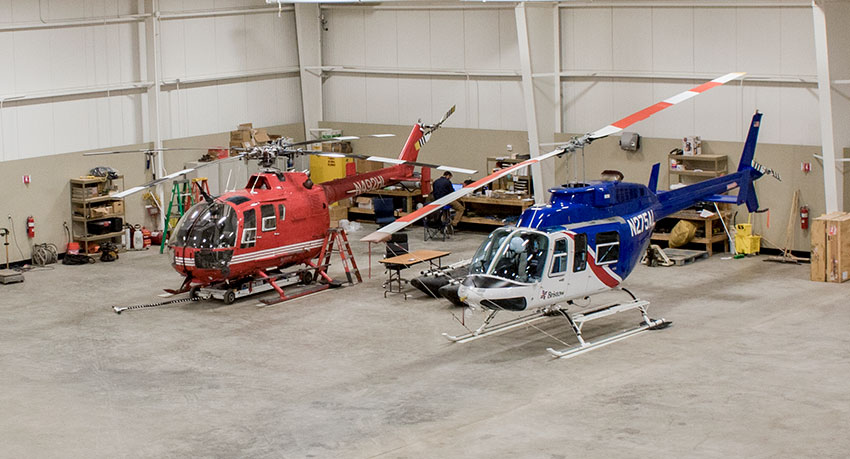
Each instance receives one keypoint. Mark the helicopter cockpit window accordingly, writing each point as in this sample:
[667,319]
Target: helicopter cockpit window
[580,257]
[269,219]
[559,258]
[522,257]
[281,210]
[249,232]
[206,226]
[487,251]
[607,247]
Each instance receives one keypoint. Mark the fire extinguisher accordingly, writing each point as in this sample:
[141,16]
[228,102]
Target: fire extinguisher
[30,227]
[804,217]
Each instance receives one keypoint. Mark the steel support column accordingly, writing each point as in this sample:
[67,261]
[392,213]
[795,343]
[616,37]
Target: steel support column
[831,41]
[154,74]
[536,55]
[309,34]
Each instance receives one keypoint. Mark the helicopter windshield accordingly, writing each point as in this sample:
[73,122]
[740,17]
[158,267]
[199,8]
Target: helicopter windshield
[517,255]
[485,254]
[206,226]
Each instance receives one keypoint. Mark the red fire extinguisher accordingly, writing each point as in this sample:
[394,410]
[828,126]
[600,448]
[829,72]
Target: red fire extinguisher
[804,217]
[30,227]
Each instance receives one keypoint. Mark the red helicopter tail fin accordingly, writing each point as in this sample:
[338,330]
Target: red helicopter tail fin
[419,136]
[415,140]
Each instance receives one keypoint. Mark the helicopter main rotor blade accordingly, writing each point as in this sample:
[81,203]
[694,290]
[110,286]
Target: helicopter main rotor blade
[172,176]
[641,115]
[381,159]
[152,150]
[383,233]
[337,139]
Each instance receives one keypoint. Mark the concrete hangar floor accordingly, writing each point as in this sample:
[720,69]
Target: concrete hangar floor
[756,365]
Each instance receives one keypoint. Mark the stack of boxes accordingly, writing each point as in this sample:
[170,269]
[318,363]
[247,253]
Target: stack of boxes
[831,247]
[246,136]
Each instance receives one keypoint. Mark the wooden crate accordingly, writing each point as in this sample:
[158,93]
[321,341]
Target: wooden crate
[830,260]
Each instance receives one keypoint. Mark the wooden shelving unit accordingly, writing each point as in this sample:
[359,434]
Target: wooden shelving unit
[709,225]
[709,166]
[91,203]
[521,180]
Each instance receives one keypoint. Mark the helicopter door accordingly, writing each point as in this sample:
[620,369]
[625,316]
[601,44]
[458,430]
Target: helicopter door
[268,226]
[579,272]
[249,229]
[560,257]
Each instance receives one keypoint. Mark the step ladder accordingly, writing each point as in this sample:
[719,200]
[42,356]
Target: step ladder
[337,237]
[184,194]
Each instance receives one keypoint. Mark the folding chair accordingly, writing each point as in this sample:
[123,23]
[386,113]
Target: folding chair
[438,223]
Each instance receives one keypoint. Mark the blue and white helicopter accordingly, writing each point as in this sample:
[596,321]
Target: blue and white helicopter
[586,240]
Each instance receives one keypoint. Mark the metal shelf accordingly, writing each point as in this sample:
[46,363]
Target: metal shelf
[78,218]
[98,237]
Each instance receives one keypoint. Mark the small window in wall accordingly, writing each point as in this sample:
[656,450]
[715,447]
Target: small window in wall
[249,231]
[607,247]
[269,219]
[580,257]
[281,210]
[559,258]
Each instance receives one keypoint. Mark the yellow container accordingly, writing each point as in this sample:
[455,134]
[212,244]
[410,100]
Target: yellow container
[747,244]
[323,168]
[744,229]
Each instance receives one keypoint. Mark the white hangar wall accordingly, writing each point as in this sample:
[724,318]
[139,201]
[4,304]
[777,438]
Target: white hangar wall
[616,60]
[394,65]
[75,72]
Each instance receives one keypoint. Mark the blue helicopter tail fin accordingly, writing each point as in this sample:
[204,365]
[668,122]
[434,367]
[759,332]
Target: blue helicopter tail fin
[653,177]
[750,145]
[747,195]
[747,192]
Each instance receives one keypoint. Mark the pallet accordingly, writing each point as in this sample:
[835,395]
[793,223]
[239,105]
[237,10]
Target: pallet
[683,257]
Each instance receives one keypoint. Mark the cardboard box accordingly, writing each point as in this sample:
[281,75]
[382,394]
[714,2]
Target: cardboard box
[246,126]
[363,202]
[240,136]
[98,212]
[364,166]
[344,203]
[342,147]
[85,192]
[830,257]
[337,213]
[260,135]
[118,207]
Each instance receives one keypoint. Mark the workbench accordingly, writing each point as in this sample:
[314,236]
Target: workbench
[409,200]
[498,208]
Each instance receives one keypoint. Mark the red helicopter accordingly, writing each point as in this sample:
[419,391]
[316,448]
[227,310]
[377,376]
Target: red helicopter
[279,220]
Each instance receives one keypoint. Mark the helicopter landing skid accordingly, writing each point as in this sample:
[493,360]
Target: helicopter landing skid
[578,320]
[486,330]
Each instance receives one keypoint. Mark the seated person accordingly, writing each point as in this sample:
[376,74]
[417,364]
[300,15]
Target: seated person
[442,187]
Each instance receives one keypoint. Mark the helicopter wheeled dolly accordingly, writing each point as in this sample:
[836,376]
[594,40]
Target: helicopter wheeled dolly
[232,291]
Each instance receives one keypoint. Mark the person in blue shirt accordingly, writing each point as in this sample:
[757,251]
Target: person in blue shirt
[442,187]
